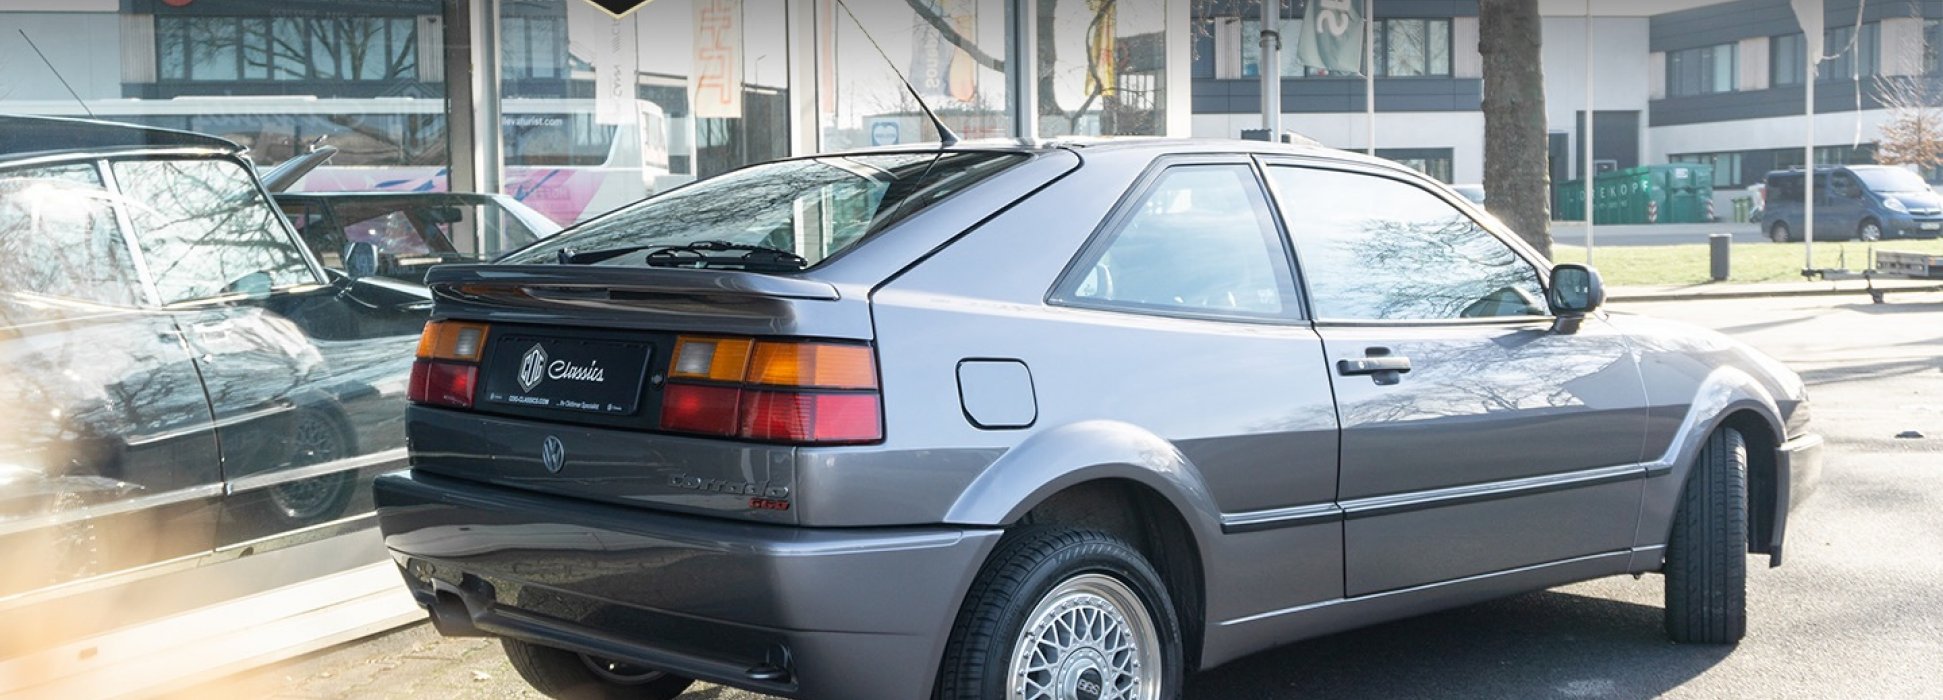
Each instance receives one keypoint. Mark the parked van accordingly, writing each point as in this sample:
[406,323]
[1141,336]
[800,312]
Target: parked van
[1860,202]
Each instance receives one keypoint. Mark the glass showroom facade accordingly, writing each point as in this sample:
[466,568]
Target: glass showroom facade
[593,112]
[254,414]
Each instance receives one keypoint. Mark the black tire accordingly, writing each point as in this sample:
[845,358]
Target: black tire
[1706,556]
[1029,564]
[1869,230]
[315,437]
[565,675]
[1779,232]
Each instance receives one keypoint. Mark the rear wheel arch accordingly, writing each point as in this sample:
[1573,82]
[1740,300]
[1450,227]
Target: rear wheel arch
[1142,517]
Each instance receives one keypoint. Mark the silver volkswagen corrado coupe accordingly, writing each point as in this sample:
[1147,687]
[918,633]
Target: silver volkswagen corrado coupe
[1054,420]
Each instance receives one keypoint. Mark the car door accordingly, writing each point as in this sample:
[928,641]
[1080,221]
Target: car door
[1848,206]
[305,378]
[108,458]
[1479,434]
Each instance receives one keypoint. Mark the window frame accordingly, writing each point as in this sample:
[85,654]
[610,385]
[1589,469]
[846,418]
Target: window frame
[1706,68]
[1383,52]
[1295,305]
[1410,178]
[132,236]
[146,295]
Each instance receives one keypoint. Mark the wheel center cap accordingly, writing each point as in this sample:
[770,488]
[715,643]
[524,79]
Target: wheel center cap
[1080,677]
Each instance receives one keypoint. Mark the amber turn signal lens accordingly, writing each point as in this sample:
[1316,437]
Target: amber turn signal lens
[452,340]
[821,365]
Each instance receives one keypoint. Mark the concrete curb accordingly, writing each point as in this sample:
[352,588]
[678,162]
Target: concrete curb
[1756,292]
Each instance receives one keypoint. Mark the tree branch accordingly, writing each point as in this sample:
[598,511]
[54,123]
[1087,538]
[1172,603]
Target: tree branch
[950,34]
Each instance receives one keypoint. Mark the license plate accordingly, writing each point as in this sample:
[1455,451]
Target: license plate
[1933,226]
[592,376]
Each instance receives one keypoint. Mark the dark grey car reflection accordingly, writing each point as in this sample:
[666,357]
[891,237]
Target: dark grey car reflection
[182,377]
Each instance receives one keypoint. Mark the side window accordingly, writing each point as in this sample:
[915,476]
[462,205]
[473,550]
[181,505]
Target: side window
[314,231]
[59,237]
[1200,240]
[1846,187]
[1373,248]
[206,230]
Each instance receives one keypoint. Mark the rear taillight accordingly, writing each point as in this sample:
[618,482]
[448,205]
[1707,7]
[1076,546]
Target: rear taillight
[773,391]
[447,370]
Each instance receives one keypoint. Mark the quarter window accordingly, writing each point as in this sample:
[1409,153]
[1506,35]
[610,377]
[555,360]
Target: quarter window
[59,237]
[1378,249]
[206,230]
[1199,241]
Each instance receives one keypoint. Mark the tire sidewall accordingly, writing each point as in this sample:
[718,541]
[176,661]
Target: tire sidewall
[1096,553]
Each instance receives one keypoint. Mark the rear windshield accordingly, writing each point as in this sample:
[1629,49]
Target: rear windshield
[811,207]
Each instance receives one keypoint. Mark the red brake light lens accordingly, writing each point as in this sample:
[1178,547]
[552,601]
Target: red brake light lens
[443,383]
[695,408]
[773,391]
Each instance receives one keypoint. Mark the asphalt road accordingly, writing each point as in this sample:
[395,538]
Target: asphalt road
[1856,613]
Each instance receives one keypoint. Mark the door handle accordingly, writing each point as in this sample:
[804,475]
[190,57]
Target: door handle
[1372,365]
[1378,364]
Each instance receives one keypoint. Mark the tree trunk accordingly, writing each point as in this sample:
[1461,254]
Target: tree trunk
[1516,177]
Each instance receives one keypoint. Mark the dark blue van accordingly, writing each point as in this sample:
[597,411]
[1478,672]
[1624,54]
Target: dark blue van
[1860,202]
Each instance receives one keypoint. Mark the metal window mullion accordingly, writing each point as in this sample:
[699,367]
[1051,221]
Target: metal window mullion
[129,239]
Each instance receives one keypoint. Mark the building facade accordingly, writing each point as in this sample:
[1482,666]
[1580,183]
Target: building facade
[1701,81]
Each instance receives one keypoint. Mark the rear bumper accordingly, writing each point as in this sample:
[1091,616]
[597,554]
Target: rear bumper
[1799,464]
[791,611]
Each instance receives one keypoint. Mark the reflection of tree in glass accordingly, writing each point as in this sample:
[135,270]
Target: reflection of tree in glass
[1433,269]
[1124,106]
[833,201]
[205,230]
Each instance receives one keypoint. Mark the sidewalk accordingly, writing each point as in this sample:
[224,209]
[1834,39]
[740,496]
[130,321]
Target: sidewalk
[1729,290]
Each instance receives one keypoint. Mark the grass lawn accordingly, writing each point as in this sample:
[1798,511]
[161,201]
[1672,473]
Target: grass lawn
[1750,262]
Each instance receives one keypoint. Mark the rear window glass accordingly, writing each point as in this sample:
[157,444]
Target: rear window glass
[813,207]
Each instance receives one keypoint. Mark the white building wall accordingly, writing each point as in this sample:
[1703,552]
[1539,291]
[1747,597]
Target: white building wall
[83,44]
[1836,129]
[1621,78]
[1462,132]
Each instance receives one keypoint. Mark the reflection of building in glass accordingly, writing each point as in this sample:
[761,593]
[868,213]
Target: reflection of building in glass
[593,112]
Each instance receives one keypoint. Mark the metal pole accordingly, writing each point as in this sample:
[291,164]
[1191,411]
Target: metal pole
[1271,69]
[1590,170]
[1369,70]
[1022,79]
[1808,172]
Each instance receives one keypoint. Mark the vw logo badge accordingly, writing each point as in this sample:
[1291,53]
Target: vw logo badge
[532,368]
[553,454]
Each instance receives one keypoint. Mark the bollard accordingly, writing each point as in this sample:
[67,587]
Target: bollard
[1717,248]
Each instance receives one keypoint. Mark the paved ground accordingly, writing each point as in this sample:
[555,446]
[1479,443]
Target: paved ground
[1857,612]
[1573,233]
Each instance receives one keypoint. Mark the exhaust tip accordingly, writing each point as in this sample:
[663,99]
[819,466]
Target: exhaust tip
[451,617]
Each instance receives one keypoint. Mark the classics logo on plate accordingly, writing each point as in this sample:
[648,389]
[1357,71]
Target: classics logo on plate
[532,368]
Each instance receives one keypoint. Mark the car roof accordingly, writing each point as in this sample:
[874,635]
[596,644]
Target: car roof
[1150,144]
[24,136]
[383,196]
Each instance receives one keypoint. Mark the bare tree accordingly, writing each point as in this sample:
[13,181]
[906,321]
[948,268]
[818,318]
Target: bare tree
[1914,133]
[1515,156]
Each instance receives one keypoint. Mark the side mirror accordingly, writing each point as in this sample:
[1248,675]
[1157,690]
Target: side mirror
[1575,290]
[360,260]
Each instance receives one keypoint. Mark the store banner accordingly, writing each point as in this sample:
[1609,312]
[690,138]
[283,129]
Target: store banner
[1332,36]
[715,86]
[608,44]
[1103,65]
[940,68]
